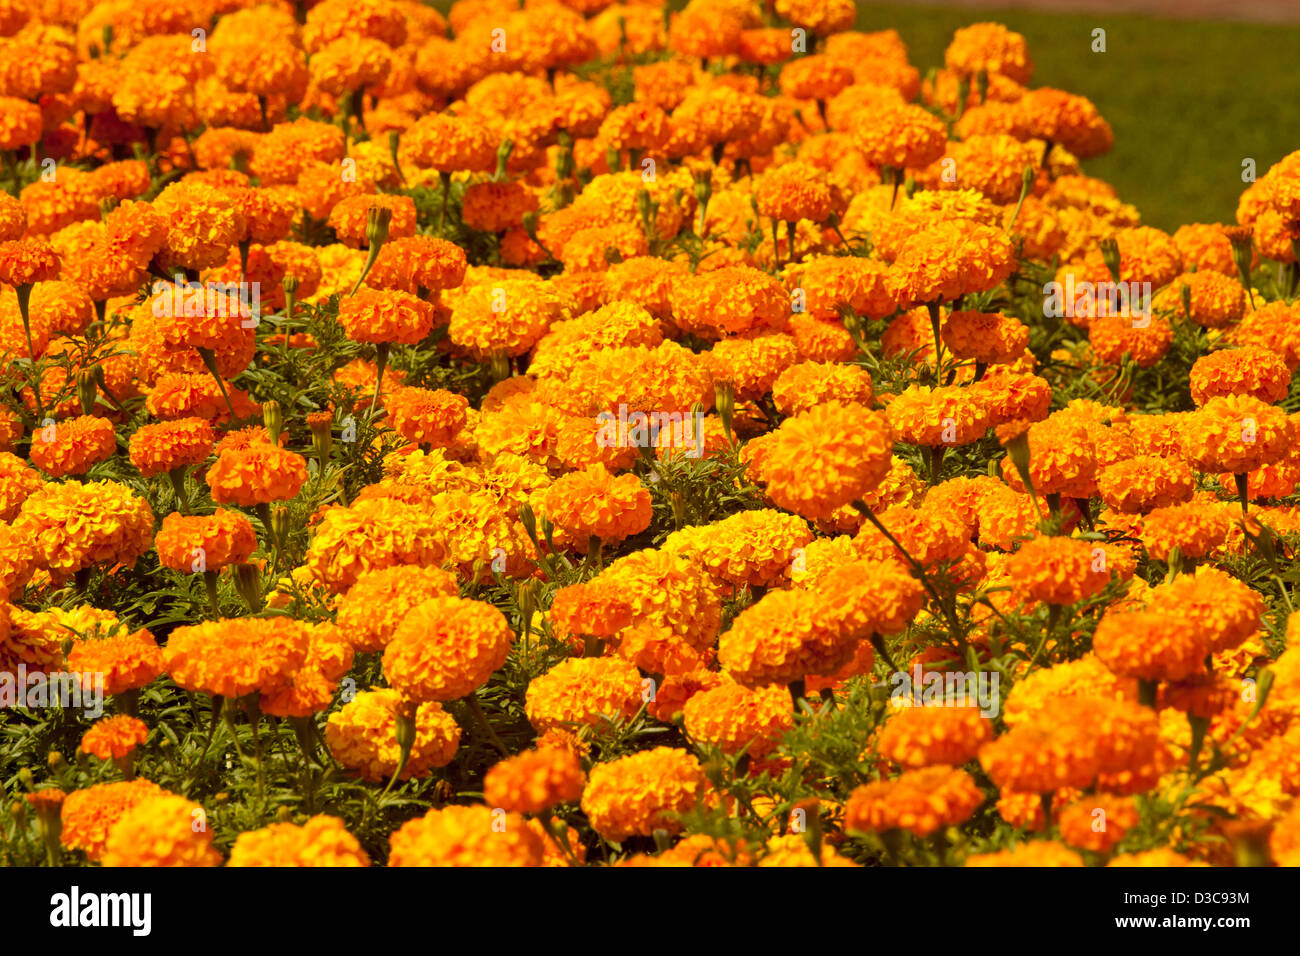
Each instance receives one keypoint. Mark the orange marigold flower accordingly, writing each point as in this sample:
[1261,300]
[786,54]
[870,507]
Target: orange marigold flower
[160,831]
[924,736]
[1195,528]
[89,814]
[1248,370]
[373,533]
[808,384]
[534,781]
[430,417]
[1046,853]
[321,841]
[127,660]
[1073,121]
[1057,570]
[349,216]
[362,736]
[113,738]
[781,639]
[643,792]
[865,597]
[1141,484]
[1151,645]
[74,526]
[165,446]
[466,836]
[28,261]
[989,48]
[258,474]
[1236,434]
[667,590]
[950,259]
[748,548]
[729,301]
[503,317]
[899,135]
[74,446]
[371,610]
[940,416]
[920,801]
[446,648]
[594,503]
[232,658]
[825,458]
[1226,610]
[736,718]
[584,690]
[201,543]
[386,316]
[986,338]
[201,223]
[1078,822]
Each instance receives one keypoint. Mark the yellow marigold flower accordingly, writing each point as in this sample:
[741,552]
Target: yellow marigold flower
[643,792]
[736,718]
[825,458]
[75,526]
[946,415]
[362,736]
[165,446]
[753,548]
[989,48]
[782,638]
[373,607]
[1058,570]
[127,660]
[752,363]
[113,738]
[534,781]
[920,801]
[193,544]
[668,590]
[899,135]
[386,316]
[1078,822]
[584,690]
[1045,853]
[1086,676]
[1151,645]
[160,831]
[1195,528]
[258,474]
[74,446]
[1141,484]
[321,841]
[729,301]
[89,814]
[466,836]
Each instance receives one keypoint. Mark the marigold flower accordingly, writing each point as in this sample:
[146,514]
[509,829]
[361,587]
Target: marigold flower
[446,648]
[950,259]
[593,503]
[736,718]
[321,841]
[1141,484]
[1226,609]
[1151,645]
[584,690]
[258,474]
[899,135]
[506,317]
[362,736]
[232,658]
[113,738]
[349,217]
[1072,121]
[748,548]
[667,590]
[74,526]
[373,533]
[127,660]
[534,781]
[89,814]
[160,831]
[782,638]
[935,417]
[985,337]
[386,316]
[643,792]
[166,446]
[1249,370]
[729,301]
[1195,528]
[466,836]
[371,610]
[1236,433]
[201,224]
[1078,822]
[989,48]
[924,736]
[1045,853]
[920,801]
[866,597]
[1058,570]
[74,446]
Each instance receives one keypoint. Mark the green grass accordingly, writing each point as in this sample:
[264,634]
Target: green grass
[1188,100]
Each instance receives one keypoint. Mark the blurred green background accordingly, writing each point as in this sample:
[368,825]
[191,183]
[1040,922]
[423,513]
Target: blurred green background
[1188,100]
